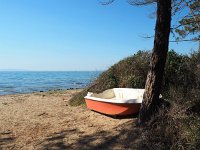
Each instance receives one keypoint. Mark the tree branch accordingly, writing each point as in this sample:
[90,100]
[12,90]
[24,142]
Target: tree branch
[107,2]
[193,14]
[147,36]
[141,2]
[187,40]
[185,24]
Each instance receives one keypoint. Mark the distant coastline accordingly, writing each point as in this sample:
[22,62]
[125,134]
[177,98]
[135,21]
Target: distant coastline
[52,70]
[12,70]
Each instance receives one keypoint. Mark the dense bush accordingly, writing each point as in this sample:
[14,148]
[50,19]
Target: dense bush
[181,74]
[130,73]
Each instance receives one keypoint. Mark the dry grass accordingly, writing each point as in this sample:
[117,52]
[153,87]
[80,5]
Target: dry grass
[173,129]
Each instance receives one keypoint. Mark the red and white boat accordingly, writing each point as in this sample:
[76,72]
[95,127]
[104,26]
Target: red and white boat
[117,101]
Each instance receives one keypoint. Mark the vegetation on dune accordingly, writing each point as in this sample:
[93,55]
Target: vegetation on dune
[181,74]
[129,72]
[175,128]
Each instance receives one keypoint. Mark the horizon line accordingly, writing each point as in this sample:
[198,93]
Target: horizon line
[49,70]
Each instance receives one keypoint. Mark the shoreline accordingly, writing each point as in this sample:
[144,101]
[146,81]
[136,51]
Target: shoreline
[44,120]
[49,91]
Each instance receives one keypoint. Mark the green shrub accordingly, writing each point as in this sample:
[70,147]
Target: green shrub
[128,73]
[181,74]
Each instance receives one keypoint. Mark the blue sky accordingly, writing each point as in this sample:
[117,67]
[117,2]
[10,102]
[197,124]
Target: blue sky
[73,34]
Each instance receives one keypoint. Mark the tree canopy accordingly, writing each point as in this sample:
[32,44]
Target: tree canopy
[188,26]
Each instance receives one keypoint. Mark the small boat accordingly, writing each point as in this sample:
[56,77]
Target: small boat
[116,101]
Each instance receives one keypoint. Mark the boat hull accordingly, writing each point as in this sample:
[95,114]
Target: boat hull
[115,109]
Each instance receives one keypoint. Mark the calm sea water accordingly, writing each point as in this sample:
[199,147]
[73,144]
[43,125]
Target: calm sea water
[13,82]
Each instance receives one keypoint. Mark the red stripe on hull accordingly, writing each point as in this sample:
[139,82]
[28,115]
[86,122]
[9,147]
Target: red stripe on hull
[113,108]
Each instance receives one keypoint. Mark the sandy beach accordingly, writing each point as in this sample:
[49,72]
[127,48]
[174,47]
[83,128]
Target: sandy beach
[45,121]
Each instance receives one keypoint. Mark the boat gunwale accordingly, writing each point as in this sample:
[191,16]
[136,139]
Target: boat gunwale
[116,101]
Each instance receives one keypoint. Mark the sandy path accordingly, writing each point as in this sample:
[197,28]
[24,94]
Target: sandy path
[45,121]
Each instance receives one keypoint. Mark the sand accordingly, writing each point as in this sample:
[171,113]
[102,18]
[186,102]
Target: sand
[46,121]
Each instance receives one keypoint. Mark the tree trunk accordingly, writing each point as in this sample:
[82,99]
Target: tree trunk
[155,75]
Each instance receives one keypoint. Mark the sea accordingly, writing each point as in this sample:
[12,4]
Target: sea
[17,82]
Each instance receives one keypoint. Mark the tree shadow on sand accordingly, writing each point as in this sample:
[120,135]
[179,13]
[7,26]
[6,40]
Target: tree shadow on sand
[6,140]
[126,136]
